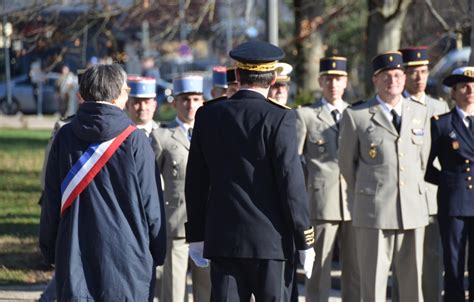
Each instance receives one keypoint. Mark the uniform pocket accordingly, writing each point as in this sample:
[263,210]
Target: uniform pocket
[366,188]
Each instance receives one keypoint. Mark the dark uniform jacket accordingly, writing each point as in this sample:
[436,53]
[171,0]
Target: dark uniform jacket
[245,192]
[106,245]
[453,144]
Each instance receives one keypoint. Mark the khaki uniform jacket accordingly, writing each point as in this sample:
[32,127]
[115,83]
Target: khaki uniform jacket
[435,107]
[385,170]
[317,137]
[171,147]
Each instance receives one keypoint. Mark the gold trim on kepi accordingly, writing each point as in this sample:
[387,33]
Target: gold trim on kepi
[270,66]
[283,71]
[387,60]
[333,66]
[257,56]
[415,56]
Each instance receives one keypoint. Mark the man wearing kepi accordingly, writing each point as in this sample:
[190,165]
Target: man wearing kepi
[171,145]
[245,195]
[416,63]
[452,137]
[382,156]
[317,135]
[100,220]
[141,104]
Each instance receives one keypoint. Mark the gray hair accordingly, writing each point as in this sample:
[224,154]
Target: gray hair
[102,83]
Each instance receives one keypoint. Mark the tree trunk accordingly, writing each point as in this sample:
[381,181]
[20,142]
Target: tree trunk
[384,30]
[471,11]
[309,44]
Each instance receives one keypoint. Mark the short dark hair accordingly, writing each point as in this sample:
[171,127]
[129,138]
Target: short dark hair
[102,83]
[256,78]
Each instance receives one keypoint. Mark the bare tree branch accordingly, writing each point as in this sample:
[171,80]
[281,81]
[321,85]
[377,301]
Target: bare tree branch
[437,16]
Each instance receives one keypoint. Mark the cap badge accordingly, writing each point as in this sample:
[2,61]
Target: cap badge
[390,58]
[333,64]
[469,73]
[372,152]
[418,55]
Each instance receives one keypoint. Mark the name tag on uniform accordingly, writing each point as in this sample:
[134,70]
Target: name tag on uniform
[418,131]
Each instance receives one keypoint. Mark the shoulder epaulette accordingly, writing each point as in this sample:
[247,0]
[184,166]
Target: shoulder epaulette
[215,100]
[67,118]
[357,103]
[278,104]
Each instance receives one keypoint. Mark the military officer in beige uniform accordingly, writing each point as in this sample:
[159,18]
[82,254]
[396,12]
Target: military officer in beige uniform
[416,64]
[141,104]
[171,145]
[317,136]
[382,155]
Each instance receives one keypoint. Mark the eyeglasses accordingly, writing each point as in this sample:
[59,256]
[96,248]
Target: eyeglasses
[396,77]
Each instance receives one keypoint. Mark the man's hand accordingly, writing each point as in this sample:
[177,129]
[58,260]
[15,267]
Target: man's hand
[196,251]
[307,260]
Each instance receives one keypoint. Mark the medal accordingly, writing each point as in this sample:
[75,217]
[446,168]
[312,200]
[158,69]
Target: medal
[372,152]
[455,145]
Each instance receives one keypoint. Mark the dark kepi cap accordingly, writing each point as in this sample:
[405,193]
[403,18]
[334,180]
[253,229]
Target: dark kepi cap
[219,76]
[231,79]
[415,56]
[387,60]
[460,75]
[257,56]
[333,65]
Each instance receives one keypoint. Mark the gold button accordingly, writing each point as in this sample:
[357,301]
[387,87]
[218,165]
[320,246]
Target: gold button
[469,178]
[469,187]
[402,183]
[402,169]
[468,169]
[467,161]
[401,154]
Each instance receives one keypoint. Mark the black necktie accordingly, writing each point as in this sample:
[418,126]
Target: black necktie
[190,132]
[470,118]
[335,116]
[396,120]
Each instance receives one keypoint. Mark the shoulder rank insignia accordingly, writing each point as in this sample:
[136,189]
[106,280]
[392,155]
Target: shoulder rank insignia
[278,104]
[215,100]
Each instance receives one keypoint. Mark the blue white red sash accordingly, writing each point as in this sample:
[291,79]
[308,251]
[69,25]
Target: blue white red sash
[87,167]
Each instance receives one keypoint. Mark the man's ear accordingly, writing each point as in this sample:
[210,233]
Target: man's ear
[237,75]
[274,77]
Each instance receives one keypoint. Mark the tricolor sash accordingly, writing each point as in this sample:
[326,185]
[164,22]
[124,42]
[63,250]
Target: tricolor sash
[87,167]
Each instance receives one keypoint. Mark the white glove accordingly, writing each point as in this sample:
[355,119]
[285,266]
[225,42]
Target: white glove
[307,260]
[196,251]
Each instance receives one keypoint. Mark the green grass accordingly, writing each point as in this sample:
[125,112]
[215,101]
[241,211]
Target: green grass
[21,161]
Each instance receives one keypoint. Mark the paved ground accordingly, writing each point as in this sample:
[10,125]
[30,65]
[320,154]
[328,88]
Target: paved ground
[28,121]
[32,293]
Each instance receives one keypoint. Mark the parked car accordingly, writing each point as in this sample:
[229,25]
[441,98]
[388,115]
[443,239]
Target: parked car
[23,96]
[452,60]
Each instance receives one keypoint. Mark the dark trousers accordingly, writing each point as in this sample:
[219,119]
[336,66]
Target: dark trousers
[236,279]
[455,232]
